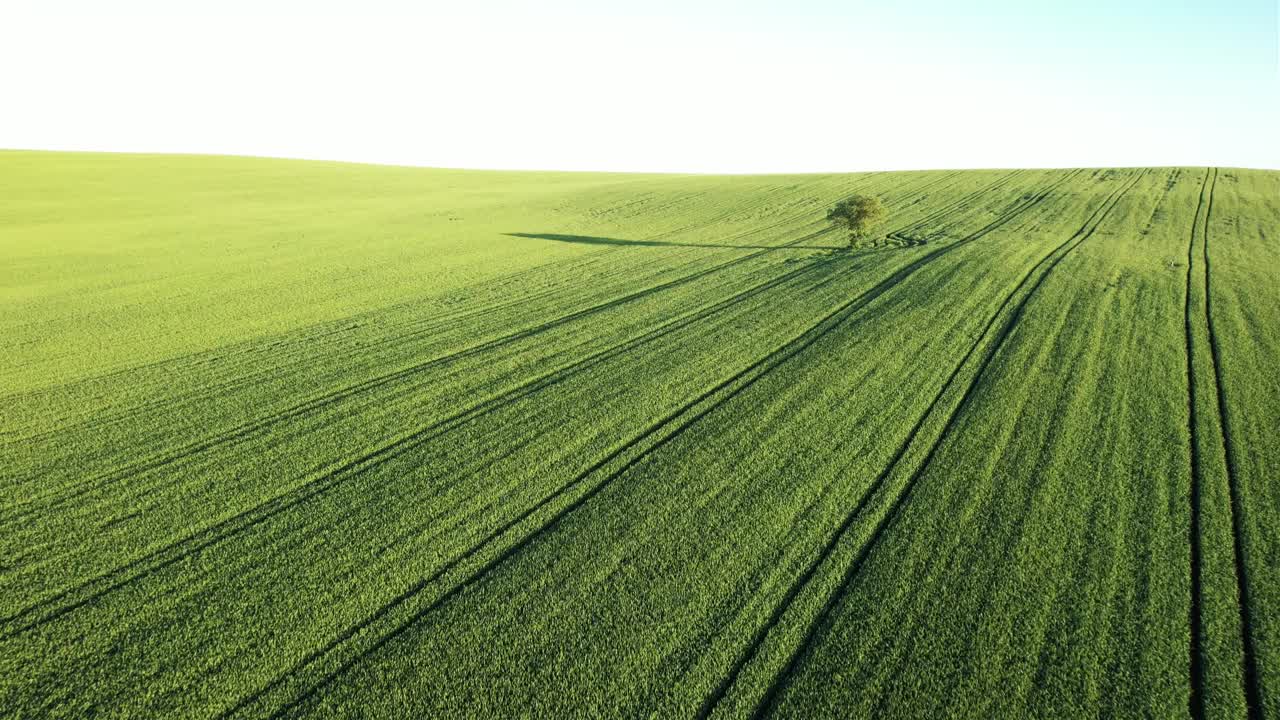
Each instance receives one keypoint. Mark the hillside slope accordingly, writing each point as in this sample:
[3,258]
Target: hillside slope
[289,438]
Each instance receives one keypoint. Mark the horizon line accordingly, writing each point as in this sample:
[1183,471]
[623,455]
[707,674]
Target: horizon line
[709,173]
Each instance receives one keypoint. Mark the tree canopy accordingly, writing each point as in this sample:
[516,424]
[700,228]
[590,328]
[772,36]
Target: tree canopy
[857,214]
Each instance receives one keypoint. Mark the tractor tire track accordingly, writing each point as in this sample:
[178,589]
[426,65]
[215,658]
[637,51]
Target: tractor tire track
[904,236]
[717,695]
[73,598]
[1252,676]
[165,556]
[510,278]
[955,205]
[62,496]
[445,319]
[729,389]
[253,428]
[921,192]
[1196,701]
[328,480]
[770,697]
[1008,214]
[961,202]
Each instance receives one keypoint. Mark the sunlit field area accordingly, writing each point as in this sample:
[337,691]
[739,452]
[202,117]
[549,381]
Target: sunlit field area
[288,438]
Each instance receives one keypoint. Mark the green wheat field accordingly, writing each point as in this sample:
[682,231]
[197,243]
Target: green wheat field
[287,438]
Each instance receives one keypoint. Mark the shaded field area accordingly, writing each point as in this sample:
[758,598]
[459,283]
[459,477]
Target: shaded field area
[285,439]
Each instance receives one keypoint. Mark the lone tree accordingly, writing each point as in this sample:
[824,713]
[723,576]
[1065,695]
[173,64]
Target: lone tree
[857,214]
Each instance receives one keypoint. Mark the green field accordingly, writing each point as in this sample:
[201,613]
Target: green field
[284,438]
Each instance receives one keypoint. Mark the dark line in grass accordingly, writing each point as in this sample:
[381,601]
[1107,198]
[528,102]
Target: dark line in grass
[249,429]
[60,496]
[856,182]
[910,196]
[314,331]
[620,242]
[903,234]
[141,407]
[951,207]
[918,193]
[1196,701]
[774,689]
[764,365]
[757,640]
[334,478]
[262,512]
[1253,679]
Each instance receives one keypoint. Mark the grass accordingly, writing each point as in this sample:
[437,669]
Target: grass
[289,438]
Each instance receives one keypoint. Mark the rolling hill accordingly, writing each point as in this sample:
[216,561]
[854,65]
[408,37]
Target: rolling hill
[286,438]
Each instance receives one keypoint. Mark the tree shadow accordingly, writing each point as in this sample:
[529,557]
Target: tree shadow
[591,240]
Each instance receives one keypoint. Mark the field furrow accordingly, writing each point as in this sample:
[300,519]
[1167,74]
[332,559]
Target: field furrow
[286,439]
[154,499]
[994,340]
[1015,573]
[710,657]
[1218,643]
[368,478]
[1254,636]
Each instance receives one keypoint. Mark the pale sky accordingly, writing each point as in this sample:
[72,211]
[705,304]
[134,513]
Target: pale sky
[661,85]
